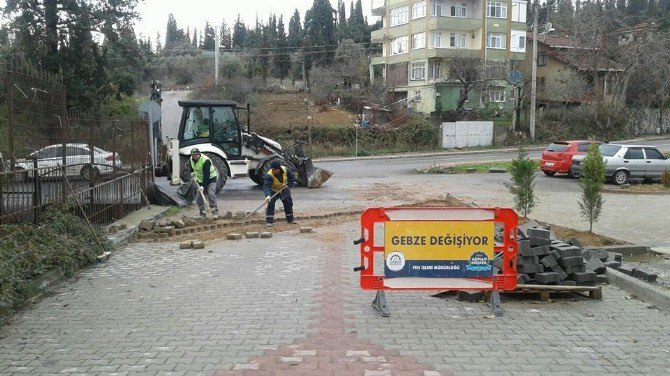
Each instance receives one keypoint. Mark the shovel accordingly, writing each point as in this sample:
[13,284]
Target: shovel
[263,204]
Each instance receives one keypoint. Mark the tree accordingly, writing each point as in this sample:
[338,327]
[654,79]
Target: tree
[294,38]
[320,33]
[592,180]
[523,185]
[239,34]
[209,40]
[468,73]
[341,21]
[282,59]
[563,20]
[358,27]
[226,36]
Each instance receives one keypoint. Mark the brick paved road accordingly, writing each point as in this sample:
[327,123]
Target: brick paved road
[291,305]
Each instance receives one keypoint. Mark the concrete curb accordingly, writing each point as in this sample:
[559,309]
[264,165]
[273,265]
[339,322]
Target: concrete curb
[642,290]
[420,155]
[626,249]
[121,237]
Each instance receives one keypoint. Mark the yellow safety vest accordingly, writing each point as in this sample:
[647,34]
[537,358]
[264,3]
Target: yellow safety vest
[276,184]
[197,168]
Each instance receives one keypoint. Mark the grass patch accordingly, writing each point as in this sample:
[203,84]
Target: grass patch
[464,168]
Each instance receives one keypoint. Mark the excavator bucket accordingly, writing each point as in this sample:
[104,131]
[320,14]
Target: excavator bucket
[307,175]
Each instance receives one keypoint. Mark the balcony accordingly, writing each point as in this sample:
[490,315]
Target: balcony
[455,23]
[378,7]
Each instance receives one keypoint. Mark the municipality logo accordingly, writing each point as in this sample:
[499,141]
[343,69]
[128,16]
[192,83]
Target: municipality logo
[395,261]
[479,262]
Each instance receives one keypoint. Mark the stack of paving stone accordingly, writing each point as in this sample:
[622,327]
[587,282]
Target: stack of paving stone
[544,260]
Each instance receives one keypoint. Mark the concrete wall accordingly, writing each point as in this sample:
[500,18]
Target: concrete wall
[462,134]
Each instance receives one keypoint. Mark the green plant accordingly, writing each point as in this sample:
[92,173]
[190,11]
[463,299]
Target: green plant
[522,186]
[61,242]
[665,179]
[592,180]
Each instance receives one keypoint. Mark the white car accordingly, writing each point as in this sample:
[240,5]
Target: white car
[624,162]
[77,161]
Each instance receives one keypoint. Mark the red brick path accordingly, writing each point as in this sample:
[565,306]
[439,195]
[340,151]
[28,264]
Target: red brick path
[332,351]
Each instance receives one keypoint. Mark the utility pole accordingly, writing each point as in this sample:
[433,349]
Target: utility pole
[533,84]
[217,41]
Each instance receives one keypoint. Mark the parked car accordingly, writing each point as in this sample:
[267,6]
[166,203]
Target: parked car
[557,157]
[625,162]
[77,161]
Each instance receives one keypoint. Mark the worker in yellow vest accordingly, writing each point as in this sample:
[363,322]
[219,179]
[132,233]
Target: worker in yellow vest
[276,184]
[206,175]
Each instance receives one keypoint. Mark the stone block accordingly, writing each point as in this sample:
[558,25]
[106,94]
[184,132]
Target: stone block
[471,296]
[240,215]
[529,260]
[497,262]
[178,223]
[305,230]
[522,279]
[530,268]
[537,242]
[647,277]
[615,256]
[561,273]
[584,278]
[547,278]
[540,250]
[146,225]
[538,233]
[523,248]
[186,245]
[613,264]
[266,235]
[595,265]
[626,270]
[252,234]
[574,268]
[556,254]
[576,243]
[549,261]
[602,279]
[570,251]
[198,244]
[234,236]
[570,261]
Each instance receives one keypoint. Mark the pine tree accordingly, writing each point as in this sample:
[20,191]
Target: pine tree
[295,33]
[240,34]
[592,180]
[563,20]
[209,42]
[282,58]
[172,35]
[226,37]
[342,27]
[522,186]
[320,33]
[196,42]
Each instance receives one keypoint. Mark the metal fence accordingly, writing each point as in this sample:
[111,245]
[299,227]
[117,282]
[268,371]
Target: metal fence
[51,156]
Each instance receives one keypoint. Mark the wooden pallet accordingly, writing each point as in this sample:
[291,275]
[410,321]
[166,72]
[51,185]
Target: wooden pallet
[546,291]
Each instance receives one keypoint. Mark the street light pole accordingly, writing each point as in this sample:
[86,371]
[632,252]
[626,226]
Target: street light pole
[217,40]
[533,84]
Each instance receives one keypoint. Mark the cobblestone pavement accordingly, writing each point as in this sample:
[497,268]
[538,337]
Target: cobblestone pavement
[291,305]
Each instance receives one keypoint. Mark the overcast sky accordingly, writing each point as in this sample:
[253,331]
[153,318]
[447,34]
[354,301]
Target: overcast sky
[194,13]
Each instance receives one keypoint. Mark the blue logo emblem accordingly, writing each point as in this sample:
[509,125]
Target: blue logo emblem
[479,262]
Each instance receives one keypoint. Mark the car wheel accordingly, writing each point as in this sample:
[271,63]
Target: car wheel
[549,173]
[620,177]
[221,169]
[89,173]
[572,175]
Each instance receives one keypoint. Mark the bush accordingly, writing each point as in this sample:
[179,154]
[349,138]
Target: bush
[61,242]
[592,180]
[665,179]
[522,186]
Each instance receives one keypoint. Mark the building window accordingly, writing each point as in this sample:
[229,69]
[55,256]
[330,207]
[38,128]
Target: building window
[518,41]
[496,9]
[541,59]
[418,40]
[417,71]
[434,70]
[399,16]
[519,9]
[419,9]
[436,8]
[457,40]
[459,10]
[399,45]
[435,40]
[496,40]
[417,95]
[496,94]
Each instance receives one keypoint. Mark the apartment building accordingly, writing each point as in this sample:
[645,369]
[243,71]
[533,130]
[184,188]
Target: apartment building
[420,37]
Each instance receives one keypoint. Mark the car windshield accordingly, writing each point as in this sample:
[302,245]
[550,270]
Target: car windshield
[609,150]
[557,147]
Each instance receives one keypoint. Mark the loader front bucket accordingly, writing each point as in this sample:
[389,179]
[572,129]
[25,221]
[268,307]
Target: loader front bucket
[317,176]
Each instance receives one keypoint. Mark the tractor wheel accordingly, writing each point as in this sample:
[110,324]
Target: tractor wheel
[221,169]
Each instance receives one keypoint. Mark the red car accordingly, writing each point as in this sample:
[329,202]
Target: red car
[557,158]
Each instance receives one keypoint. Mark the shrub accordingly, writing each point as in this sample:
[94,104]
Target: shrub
[665,179]
[522,186]
[592,180]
